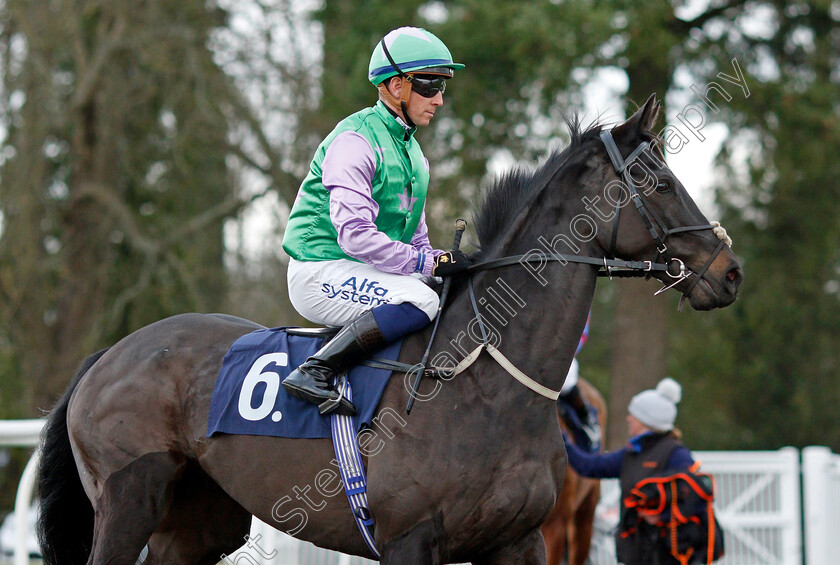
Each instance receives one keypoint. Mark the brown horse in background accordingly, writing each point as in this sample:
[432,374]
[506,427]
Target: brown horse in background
[569,526]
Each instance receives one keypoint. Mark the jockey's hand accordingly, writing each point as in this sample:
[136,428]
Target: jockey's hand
[450,263]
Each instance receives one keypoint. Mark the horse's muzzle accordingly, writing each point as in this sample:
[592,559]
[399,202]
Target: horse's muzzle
[718,288]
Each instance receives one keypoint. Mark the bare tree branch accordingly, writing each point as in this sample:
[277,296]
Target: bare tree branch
[89,71]
[124,216]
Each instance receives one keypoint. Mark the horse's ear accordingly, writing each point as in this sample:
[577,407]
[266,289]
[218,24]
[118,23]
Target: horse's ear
[643,120]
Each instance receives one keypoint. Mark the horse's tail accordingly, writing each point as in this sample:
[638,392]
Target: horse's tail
[65,521]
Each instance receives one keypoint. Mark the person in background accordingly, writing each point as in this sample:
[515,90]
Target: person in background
[654,448]
[357,234]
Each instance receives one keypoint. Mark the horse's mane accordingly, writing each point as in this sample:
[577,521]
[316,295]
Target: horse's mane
[514,190]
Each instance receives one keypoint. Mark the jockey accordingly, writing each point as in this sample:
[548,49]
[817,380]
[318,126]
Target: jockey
[357,234]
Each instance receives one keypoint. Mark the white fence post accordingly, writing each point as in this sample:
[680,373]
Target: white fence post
[22,433]
[821,492]
[23,500]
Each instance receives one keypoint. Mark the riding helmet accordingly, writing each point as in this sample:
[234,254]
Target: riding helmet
[412,49]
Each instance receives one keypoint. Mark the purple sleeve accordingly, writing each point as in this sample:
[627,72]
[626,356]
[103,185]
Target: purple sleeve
[680,458]
[595,466]
[347,172]
[420,241]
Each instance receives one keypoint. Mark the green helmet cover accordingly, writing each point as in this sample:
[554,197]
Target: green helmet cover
[413,49]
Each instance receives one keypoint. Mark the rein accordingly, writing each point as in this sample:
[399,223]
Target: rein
[608,267]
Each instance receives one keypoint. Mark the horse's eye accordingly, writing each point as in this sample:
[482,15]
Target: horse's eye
[662,186]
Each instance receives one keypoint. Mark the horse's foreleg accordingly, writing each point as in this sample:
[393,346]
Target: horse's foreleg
[530,550]
[132,503]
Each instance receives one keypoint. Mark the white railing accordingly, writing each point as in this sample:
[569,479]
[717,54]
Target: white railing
[602,551]
[757,503]
[22,433]
[821,494]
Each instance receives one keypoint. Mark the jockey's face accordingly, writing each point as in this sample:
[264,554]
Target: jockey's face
[420,109]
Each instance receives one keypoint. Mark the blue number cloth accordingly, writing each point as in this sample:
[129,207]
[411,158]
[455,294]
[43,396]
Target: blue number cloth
[248,398]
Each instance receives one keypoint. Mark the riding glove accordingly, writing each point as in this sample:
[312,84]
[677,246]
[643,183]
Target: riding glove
[450,263]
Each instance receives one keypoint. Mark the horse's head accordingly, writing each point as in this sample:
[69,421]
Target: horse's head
[609,200]
[643,212]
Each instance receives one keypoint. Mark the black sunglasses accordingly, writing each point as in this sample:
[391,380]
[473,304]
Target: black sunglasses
[427,86]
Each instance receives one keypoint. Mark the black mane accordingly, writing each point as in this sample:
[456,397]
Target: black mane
[517,188]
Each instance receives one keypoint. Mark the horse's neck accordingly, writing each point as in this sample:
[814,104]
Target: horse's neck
[535,318]
[535,324]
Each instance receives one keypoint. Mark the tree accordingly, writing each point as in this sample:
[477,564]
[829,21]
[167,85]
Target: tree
[771,360]
[639,332]
[127,140]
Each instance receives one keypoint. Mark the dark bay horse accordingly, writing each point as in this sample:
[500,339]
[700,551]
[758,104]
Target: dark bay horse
[568,528]
[473,471]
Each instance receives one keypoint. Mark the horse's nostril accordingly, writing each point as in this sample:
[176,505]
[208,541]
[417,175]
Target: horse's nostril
[734,278]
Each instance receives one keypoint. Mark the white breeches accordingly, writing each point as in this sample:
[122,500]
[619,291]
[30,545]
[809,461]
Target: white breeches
[334,293]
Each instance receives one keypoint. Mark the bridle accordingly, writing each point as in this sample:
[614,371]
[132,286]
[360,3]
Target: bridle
[622,168]
[612,267]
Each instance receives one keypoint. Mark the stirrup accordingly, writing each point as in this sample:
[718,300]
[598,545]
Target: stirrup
[329,406]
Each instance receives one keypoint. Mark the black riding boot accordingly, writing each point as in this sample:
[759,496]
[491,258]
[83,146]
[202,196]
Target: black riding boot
[313,381]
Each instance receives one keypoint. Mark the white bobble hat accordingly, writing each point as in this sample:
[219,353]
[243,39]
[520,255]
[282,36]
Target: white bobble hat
[657,409]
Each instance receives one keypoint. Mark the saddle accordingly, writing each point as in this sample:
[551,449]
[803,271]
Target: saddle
[325,332]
